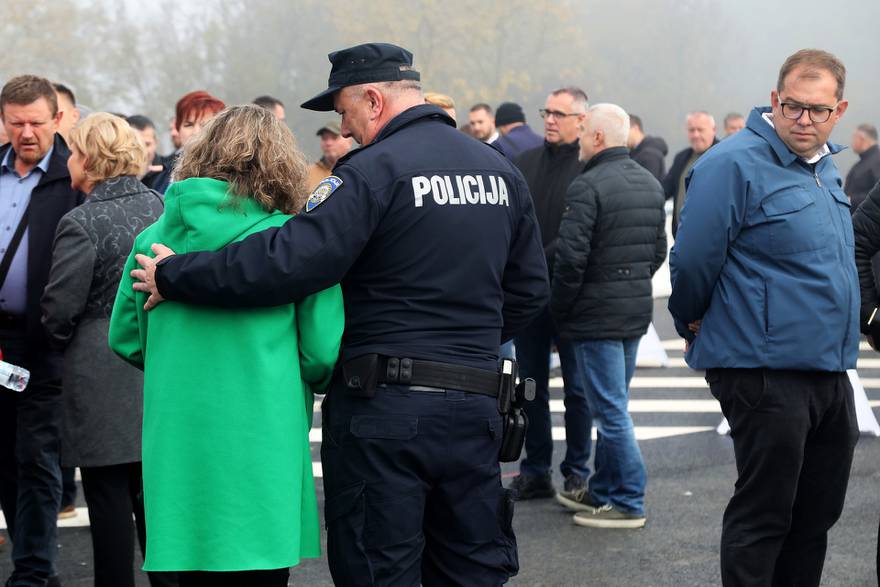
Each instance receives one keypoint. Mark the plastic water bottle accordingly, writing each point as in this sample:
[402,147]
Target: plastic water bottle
[13,376]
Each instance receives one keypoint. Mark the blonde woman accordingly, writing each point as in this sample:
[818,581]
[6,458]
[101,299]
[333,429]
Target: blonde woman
[228,487]
[103,396]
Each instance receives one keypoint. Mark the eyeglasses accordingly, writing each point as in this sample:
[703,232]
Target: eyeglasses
[793,111]
[555,114]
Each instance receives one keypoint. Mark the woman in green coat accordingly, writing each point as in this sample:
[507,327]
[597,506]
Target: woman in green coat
[227,469]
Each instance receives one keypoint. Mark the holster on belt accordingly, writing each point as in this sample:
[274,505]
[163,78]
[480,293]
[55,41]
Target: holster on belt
[511,397]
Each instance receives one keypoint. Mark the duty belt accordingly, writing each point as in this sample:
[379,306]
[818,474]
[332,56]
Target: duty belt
[403,371]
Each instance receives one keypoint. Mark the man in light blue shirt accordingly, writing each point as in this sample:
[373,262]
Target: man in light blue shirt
[35,193]
[15,196]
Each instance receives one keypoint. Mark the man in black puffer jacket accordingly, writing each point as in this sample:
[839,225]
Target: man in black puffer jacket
[611,241]
[866,226]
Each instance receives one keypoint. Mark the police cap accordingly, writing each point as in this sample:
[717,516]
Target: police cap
[363,64]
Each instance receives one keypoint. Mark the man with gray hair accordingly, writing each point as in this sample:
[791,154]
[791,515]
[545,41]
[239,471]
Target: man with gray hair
[701,136]
[866,172]
[611,241]
[411,424]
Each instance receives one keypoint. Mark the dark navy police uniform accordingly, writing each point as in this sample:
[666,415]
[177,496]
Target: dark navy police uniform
[434,239]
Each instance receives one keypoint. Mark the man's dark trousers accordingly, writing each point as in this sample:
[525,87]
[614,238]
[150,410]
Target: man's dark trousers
[794,433]
[533,355]
[30,475]
[413,489]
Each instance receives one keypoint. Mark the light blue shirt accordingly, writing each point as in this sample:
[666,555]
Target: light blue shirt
[15,195]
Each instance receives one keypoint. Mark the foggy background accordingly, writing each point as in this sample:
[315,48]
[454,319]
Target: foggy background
[656,58]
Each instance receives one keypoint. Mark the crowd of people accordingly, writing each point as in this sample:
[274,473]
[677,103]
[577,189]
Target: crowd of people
[395,277]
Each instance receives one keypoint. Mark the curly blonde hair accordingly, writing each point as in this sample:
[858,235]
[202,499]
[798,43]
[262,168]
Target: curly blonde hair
[254,152]
[109,146]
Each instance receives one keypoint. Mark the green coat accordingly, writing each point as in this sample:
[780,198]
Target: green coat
[227,402]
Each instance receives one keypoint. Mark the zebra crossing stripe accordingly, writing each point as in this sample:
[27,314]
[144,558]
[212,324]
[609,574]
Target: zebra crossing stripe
[694,382]
[679,363]
[677,344]
[642,432]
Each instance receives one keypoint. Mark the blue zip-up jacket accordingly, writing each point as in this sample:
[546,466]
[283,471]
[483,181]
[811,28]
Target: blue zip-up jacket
[765,257]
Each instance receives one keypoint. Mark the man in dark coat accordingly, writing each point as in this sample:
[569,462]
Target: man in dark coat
[866,226]
[549,170]
[649,152]
[611,241]
[866,172]
[701,136]
[35,193]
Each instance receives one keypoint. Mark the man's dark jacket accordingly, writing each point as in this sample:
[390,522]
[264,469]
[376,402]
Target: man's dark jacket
[611,241]
[866,229]
[651,154]
[51,199]
[863,176]
[670,182]
[518,141]
[549,170]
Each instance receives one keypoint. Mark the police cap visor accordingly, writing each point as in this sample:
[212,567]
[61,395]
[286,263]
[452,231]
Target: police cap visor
[363,64]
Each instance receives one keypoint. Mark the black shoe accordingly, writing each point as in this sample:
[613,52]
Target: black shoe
[531,487]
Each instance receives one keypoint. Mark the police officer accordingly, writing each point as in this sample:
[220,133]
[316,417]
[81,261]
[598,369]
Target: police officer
[434,239]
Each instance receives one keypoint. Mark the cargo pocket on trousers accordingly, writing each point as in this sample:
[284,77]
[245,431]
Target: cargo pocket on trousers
[508,538]
[344,518]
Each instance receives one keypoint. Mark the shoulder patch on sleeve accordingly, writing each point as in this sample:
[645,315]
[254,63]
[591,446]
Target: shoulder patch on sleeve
[322,192]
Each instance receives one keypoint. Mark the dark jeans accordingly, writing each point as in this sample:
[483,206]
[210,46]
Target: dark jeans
[533,355]
[68,486]
[794,433]
[413,489]
[114,496]
[30,475]
[273,578]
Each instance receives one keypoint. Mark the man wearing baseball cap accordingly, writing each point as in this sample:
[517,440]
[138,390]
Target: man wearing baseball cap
[333,147]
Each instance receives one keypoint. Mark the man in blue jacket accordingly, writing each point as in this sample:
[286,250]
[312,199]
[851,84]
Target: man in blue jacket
[765,290]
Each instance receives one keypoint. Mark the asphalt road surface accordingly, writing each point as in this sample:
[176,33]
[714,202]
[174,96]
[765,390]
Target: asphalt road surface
[690,478]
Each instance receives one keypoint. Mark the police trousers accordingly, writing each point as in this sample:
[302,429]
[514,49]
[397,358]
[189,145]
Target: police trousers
[413,489]
[794,433]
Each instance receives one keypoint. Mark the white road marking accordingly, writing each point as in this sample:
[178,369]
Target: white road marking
[80,520]
[694,382]
[677,344]
[662,406]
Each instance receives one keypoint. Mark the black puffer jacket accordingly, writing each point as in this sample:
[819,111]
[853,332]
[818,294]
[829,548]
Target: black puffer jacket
[611,241]
[866,226]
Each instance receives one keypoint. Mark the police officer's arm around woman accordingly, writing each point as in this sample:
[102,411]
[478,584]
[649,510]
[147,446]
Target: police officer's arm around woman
[434,238]
[370,217]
